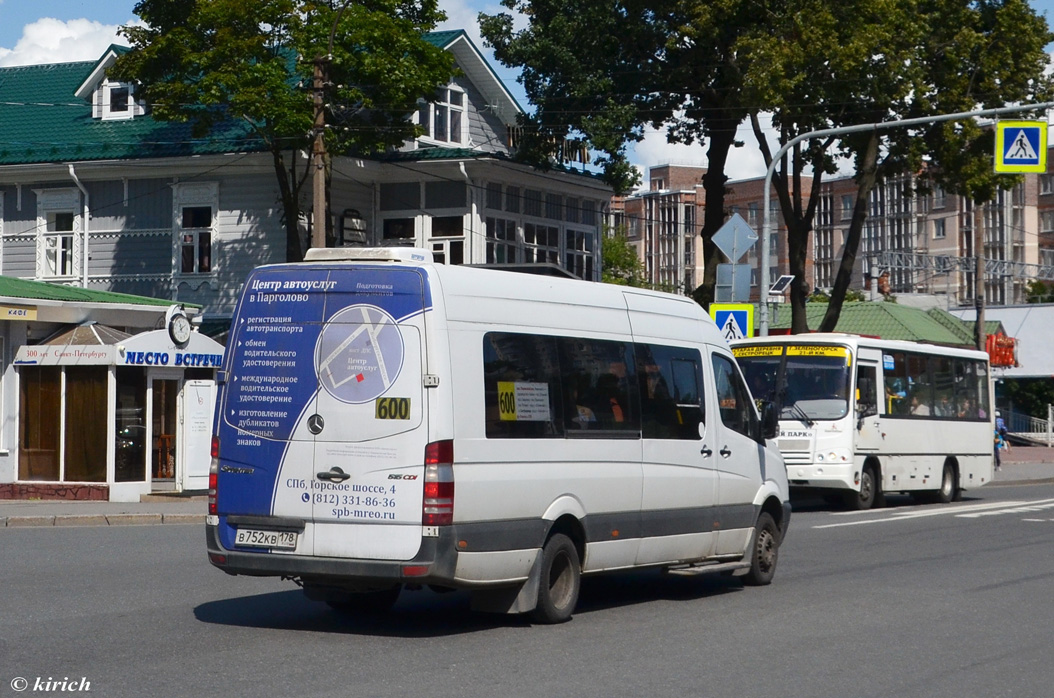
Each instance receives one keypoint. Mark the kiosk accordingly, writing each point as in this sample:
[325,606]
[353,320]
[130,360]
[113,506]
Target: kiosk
[103,414]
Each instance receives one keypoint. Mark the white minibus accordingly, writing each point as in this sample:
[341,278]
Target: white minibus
[386,422]
[860,417]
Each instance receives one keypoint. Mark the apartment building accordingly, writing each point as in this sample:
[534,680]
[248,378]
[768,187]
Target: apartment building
[910,244]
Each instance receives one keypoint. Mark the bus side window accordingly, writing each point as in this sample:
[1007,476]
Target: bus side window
[866,382]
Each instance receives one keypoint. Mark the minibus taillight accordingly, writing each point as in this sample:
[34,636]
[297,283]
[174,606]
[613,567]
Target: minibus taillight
[437,509]
[214,469]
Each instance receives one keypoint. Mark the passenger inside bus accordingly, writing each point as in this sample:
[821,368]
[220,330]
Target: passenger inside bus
[919,408]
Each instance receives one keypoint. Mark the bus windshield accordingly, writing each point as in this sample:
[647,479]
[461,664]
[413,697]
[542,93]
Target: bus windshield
[815,379]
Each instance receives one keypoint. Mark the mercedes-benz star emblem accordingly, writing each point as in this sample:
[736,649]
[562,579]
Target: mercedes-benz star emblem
[315,423]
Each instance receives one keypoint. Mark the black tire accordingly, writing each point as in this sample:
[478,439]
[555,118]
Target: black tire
[949,489]
[559,582]
[766,552]
[869,495]
[364,603]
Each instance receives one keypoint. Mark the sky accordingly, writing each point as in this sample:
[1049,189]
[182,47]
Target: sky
[59,31]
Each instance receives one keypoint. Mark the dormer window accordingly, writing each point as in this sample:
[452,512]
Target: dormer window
[119,99]
[444,117]
[115,100]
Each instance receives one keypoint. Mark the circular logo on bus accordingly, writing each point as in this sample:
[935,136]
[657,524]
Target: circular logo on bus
[359,354]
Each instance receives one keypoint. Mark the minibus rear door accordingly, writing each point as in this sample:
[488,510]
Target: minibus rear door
[369,421]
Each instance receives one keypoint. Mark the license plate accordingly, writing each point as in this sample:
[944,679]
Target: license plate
[282,540]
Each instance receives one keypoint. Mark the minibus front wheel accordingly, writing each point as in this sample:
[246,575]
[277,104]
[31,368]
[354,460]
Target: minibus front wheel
[766,552]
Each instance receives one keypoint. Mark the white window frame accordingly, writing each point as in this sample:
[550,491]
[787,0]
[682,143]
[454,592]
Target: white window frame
[507,245]
[940,228]
[1046,221]
[1046,183]
[444,104]
[536,252]
[104,106]
[586,255]
[63,247]
[939,197]
[194,195]
[418,224]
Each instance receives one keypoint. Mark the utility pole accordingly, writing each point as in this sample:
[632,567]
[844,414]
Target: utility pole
[320,211]
[980,337]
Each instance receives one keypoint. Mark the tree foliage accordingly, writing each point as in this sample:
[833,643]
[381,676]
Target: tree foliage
[620,263]
[220,63]
[602,70]
[1039,292]
[853,63]
[1028,395]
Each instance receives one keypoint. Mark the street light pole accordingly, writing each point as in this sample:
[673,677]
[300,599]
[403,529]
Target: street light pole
[763,265]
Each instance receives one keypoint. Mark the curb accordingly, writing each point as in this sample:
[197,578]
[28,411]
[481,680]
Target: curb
[100,520]
[1012,483]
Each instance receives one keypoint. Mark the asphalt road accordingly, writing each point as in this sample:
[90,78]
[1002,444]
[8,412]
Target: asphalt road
[904,601]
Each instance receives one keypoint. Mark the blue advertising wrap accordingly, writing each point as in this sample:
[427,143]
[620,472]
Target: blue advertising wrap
[299,331]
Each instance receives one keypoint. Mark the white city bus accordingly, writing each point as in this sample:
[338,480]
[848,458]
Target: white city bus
[861,417]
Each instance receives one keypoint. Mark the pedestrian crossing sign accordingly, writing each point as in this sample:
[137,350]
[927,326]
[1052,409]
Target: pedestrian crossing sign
[734,320]
[1021,146]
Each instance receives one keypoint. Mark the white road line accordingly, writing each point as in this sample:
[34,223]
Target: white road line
[966,511]
[1024,509]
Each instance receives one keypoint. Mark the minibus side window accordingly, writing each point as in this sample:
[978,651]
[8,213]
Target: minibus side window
[522,387]
[599,387]
[671,384]
[733,398]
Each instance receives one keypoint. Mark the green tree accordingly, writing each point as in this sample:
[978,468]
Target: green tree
[826,65]
[620,263]
[1029,395]
[601,71]
[225,64]
[1038,292]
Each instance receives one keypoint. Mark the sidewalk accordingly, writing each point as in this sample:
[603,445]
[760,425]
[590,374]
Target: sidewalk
[1022,465]
[158,509]
[1026,465]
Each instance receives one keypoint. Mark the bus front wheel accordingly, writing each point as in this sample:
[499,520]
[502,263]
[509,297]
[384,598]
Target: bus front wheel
[869,495]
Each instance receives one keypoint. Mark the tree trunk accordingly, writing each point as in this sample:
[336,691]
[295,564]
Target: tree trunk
[798,248]
[722,135]
[288,193]
[865,183]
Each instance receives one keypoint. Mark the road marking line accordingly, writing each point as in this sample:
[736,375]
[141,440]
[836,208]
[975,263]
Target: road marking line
[967,511]
[1034,506]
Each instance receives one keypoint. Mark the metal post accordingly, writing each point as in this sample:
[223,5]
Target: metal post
[980,336]
[763,265]
[1050,418]
[318,161]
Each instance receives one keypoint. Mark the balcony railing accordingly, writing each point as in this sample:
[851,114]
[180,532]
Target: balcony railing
[565,151]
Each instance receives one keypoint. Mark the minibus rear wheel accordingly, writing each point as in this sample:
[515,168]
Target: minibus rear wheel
[559,582]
